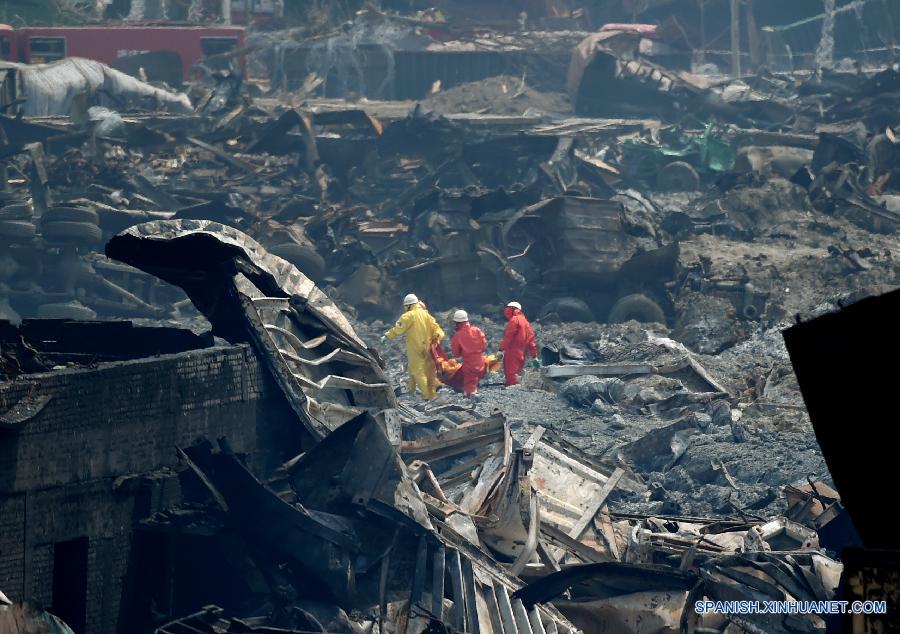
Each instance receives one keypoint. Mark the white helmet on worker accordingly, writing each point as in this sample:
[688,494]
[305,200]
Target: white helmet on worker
[410,300]
[460,316]
[514,305]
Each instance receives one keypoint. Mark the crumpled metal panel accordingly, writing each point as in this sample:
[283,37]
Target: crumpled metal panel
[49,89]
[231,242]
[608,76]
[326,372]
[356,465]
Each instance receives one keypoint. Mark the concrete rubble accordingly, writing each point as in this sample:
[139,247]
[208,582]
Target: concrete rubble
[682,243]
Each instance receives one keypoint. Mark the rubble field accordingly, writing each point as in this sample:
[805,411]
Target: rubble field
[765,446]
[662,229]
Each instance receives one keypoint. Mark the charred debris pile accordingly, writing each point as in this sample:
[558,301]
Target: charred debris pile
[717,209]
[580,218]
[394,518]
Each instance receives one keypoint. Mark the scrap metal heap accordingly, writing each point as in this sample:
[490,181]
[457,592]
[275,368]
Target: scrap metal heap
[415,518]
[414,521]
[369,202]
[345,521]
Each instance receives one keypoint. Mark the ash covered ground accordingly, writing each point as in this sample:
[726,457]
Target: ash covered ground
[777,446]
[503,94]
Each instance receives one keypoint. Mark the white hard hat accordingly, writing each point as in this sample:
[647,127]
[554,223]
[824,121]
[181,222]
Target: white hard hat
[460,316]
[514,305]
[410,299]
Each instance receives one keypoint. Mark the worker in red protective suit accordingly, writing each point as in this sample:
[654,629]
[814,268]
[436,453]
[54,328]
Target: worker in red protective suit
[469,343]
[518,340]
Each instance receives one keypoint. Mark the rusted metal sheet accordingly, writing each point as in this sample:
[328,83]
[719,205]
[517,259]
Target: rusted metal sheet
[455,441]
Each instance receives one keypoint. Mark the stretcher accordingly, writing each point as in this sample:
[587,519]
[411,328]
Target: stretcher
[448,368]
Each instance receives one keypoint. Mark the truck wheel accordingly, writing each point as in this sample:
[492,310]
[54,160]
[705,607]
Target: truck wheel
[16,211]
[16,229]
[678,177]
[568,309]
[71,232]
[71,214]
[638,307]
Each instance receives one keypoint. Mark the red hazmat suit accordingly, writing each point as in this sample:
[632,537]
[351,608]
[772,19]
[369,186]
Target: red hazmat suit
[469,343]
[517,340]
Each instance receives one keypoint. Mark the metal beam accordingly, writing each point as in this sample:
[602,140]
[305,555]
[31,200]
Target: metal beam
[459,599]
[437,583]
[596,504]
[736,38]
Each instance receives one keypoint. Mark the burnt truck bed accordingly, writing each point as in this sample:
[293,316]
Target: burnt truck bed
[586,251]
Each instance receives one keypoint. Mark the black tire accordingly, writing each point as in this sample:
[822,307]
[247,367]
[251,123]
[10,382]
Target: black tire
[17,229]
[71,214]
[66,310]
[638,307]
[71,232]
[16,211]
[568,309]
[678,177]
[305,258]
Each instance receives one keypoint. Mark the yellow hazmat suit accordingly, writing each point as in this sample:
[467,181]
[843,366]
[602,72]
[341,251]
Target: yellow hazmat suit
[420,329]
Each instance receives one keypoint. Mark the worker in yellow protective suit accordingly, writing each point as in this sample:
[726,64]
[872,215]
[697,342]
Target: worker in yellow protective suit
[421,330]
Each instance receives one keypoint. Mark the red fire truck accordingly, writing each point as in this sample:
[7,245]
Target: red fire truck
[41,45]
